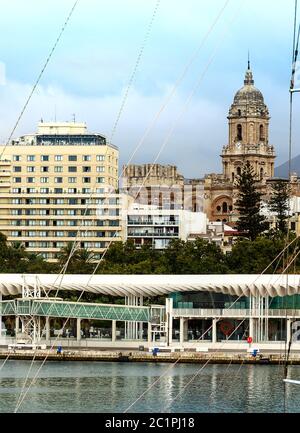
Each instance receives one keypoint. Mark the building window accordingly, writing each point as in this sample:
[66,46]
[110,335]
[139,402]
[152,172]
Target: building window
[16,201]
[58,158]
[86,190]
[100,158]
[44,157]
[31,190]
[72,157]
[86,157]
[30,169]
[239,132]
[86,180]
[72,169]
[30,179]
[16,190]
[44,169]
[58,190]
[58,179]
[17,179]
[224,207]
[17,169]
[261,173]
[86,169]
[72,200]
[44,190]
[44,179]
[17,157]
[100,179]
[58,169]
[72,190]
[30,157]
[72,179]
[100,168]
[238,171]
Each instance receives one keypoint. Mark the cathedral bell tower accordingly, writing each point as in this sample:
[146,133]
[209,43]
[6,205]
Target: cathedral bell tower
[248,134]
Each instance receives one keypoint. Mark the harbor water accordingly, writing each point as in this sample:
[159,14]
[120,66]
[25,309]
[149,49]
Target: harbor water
[113,386]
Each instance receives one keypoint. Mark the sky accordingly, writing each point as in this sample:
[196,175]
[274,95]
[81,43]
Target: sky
[89,72]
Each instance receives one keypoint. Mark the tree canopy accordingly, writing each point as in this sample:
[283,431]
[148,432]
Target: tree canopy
[248,204]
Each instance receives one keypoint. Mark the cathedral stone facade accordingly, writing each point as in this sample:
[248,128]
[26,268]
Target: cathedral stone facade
[248,140]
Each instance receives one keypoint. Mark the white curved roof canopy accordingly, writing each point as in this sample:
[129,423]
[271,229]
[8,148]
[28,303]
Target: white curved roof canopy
[153,285]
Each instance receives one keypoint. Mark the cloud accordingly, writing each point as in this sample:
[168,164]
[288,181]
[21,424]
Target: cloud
[192,145]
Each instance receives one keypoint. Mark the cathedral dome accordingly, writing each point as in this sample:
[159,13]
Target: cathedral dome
[248,100]
[248,94]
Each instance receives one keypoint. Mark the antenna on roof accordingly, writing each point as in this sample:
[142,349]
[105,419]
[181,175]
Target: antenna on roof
[249,60]
[74,117]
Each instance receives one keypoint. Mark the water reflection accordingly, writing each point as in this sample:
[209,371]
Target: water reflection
[112,387]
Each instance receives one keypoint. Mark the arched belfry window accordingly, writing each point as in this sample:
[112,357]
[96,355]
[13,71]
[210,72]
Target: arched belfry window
[261,132]
[239,132]
[238,171]
[261,173]
[225,207]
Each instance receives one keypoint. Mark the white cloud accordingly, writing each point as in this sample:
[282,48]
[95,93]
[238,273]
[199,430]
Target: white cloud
[195,142]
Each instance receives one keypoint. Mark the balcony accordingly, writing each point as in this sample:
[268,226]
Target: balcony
[153,234]
[234,313]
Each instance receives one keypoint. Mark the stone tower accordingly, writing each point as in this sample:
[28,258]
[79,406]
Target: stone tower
[248,134]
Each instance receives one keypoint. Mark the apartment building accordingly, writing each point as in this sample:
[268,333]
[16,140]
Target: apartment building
[57,186]
[155,226]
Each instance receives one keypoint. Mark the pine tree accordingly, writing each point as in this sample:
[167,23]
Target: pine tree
[279,203]
[248,205]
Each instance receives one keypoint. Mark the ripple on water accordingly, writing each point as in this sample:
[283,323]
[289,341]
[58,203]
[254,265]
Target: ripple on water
[113,386]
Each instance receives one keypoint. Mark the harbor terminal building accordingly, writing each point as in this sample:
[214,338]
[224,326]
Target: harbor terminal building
[198,310]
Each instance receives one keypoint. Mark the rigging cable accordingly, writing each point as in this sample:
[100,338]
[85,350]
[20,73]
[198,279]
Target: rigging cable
[39,77]
[201,336]
[190,96]
[292,83]
[156,117]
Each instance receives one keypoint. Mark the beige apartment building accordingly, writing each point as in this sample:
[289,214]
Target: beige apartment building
[58,186]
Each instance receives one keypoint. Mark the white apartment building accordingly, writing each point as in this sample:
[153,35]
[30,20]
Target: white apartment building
[154,226]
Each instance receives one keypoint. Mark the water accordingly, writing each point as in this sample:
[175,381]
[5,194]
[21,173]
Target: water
[113,386]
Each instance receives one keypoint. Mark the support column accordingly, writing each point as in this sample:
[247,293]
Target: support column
[47,328]
[181,330]
[169,311]
[149,332]
[113,331]
[17,326]
[214,330]
[251,328]
[78,333]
